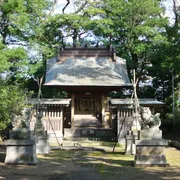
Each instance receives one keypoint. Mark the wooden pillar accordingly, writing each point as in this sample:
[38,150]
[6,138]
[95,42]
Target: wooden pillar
[118,124]
[72,110]
[61,122]
[103,110]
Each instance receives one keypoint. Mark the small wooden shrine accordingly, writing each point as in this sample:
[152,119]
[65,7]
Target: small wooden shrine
[87,74]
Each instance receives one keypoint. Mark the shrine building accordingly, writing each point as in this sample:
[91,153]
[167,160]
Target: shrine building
[88,75]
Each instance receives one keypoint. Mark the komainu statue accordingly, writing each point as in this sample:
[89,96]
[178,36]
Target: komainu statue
[22,120]
[149,120]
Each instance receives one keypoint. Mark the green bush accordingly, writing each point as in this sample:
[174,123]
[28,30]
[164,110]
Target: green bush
[175,144]
[12,100]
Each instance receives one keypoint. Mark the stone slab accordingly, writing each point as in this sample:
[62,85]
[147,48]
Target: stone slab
[149,150]
[150,160]
[152,142]
[14,142]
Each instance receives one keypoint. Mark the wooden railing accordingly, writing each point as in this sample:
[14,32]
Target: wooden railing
[126,112]
[53,111]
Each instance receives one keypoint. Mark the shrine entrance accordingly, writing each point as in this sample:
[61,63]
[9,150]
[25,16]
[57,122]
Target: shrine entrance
[87,111]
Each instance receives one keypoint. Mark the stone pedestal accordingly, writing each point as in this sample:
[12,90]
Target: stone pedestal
[150,153]
[41,137]
[20,148]
[20,151]
[150,148]
[42,144]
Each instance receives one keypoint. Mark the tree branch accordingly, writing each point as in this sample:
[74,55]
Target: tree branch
[16,43]
[80,8]
[68,2]
[53,8]
[176,13]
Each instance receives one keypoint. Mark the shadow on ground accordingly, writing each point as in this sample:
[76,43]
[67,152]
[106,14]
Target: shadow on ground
[87,165]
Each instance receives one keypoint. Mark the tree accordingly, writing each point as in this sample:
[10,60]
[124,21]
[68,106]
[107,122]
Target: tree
[12,97]
[166,65]
[19,21]
[134,26]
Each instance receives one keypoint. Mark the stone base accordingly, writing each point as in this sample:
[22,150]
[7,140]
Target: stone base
[150,160]
[151,133]
[150,152]
[42,145]
[20,152]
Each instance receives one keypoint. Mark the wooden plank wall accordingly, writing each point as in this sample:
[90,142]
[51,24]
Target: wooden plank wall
[124,120]
[52,119]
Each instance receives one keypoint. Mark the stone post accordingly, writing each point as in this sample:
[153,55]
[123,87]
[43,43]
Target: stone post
[41,136]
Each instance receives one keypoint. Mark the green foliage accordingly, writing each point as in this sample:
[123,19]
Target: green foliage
[13,61]
[19,25]
[12,100]
[20,18]
[3,59]
[134,27]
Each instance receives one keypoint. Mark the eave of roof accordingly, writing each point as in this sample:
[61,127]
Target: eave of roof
[57,101]
[143,101]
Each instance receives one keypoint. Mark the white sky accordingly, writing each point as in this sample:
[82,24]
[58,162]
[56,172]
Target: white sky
[169,6]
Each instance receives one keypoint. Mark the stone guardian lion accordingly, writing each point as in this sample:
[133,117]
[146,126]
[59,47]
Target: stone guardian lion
[149,120]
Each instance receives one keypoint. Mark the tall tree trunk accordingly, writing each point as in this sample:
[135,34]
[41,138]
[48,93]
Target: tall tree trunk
[75,35]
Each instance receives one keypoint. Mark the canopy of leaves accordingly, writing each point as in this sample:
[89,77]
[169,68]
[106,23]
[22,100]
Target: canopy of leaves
[12,100]
[19,20]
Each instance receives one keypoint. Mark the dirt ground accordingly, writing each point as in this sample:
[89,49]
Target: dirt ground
[89,165]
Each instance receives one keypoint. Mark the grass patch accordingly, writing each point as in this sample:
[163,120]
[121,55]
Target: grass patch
[107,146]
[173,156]
[57,156]
[111,144]
[102,159]
[107,164]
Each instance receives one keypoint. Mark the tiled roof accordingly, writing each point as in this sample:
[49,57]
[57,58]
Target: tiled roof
[87,71]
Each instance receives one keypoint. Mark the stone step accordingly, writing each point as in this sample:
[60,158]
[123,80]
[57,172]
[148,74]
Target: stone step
[94,134]
[86,120]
